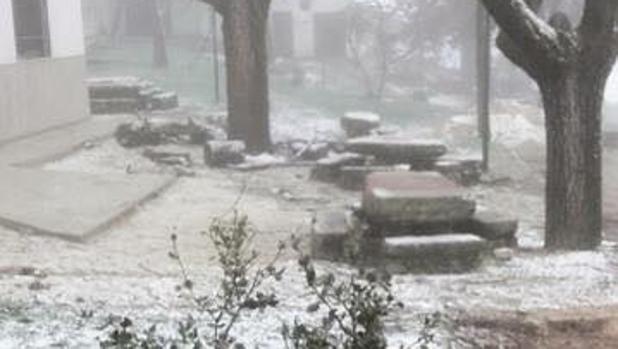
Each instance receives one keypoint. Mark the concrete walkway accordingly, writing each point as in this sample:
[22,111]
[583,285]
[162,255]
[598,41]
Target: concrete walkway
[69,205]
[56,143]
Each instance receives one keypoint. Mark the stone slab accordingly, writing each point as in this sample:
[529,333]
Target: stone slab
[114,106]
[328,169]
[405,200]
[463,171]
[397,150]
[450,253]
[354,177]
[69,205]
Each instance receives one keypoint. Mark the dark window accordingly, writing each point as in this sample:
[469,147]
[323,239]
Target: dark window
[31,28]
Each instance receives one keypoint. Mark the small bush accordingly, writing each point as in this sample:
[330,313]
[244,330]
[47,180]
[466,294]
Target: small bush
[354,310]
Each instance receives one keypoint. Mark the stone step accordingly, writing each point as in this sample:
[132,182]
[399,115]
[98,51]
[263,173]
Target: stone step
[496,228]
[405,201]
[450,253]
[330,232]
[396,150]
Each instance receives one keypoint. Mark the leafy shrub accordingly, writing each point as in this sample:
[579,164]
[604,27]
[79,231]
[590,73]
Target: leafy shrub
[239,291]
[354,310]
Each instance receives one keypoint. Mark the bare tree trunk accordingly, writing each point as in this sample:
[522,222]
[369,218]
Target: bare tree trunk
[245,40]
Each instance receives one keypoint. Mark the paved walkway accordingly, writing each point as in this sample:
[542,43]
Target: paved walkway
[58,142]
[69,205]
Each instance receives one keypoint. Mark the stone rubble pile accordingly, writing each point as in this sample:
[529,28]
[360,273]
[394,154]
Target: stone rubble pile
[127,95]
[368,150]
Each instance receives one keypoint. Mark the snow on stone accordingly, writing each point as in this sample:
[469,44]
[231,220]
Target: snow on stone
[364,116]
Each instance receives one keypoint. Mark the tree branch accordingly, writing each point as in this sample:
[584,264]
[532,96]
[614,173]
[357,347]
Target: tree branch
[528,32]
[598,34]
[216,4]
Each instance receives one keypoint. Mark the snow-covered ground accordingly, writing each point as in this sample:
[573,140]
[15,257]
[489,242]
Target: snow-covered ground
[126,271]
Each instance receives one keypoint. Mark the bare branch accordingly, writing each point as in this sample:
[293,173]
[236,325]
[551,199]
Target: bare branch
[216,4]
[527,31]
[598,34]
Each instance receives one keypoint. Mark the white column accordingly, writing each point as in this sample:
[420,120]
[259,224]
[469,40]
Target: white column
[8,51]
[66,28]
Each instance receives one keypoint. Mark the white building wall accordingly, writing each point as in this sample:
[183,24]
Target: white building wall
[66,28]
[304,31]
[8,52]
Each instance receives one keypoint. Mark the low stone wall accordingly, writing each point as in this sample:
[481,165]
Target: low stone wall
[39,94]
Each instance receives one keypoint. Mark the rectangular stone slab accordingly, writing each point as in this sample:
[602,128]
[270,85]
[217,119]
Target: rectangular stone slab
[328,169]
[354,177]
[395,150]
[401,200]
[451,253]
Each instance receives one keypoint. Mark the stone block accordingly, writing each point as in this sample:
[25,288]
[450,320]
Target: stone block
[396,150]
[114,88]
[463,171]
[113,106]
[328,169]
[329,235]
[223,153]
[358,124]
[496,228]
[404,201]
[164,101]
[451,253]
[172,155]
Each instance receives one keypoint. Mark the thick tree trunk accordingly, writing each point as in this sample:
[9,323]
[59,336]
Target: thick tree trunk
[245,30]
[572,104]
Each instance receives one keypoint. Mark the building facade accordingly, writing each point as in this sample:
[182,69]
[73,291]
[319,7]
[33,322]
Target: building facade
[309,28]
[42,66]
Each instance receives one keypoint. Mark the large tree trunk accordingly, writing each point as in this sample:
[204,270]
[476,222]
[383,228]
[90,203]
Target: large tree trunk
[571,66]
[245,30]
[572,104]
